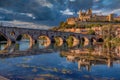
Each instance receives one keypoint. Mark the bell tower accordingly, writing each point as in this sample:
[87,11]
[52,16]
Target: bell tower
[80,14]
[89,12]
[110,17]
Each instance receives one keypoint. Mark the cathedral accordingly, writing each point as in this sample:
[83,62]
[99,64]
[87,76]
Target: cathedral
[88,16]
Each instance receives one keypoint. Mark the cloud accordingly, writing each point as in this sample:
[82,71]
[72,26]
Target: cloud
[96,0]
[2,10]
[67,12]
[29,15]
[45,3]
[44,9]
[21,24]
[39,8]
[52,10]
[106,4]
[80,4]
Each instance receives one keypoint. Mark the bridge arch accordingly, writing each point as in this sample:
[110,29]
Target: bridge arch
[44,40]
[5,38]
[25,36]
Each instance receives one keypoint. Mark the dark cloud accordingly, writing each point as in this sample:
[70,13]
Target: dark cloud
[40,10]
[107,4]
[80,4]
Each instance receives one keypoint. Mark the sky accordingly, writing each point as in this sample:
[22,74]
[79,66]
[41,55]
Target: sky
[51,12]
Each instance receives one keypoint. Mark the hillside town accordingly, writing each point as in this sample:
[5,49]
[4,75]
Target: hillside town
[90,23]
[89,16]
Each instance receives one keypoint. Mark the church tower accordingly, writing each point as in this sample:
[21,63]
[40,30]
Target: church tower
[80,14]
[89,12]
[110,17]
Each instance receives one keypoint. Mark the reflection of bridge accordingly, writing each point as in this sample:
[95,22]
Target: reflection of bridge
[83,56]
[13,50]
[13,33]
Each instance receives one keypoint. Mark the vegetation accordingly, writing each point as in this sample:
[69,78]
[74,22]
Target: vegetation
[90,25]
[92,32]
[65,25]
[116,41]
[109,35]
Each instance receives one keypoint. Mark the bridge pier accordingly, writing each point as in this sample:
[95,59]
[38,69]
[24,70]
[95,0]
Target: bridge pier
[52,40]
[32,42]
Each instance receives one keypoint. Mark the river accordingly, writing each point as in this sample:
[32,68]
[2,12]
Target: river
[93,62]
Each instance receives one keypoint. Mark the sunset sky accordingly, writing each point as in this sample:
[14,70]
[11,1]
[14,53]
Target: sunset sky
[52,10]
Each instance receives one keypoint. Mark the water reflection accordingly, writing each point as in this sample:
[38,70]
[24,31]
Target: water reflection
[52,62]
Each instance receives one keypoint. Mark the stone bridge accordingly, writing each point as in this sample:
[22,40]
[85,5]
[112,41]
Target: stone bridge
[11,34]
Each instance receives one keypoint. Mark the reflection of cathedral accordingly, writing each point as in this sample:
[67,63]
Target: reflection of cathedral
[86,58]
[87,62]
[84,63]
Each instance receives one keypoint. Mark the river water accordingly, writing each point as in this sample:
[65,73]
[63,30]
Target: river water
[93,62]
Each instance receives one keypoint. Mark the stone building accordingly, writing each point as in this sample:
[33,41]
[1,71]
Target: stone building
[72,20]
[117,18]
[117,32]
[85,16]
[89,16]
